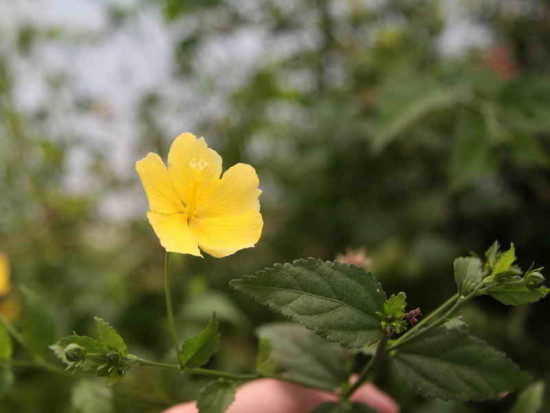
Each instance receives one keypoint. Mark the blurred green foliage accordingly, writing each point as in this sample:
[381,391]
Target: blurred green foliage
[370,136]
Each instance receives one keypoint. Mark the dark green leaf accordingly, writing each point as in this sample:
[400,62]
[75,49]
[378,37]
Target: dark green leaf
[197,350]
[304,356]
[6,379]
[449,364]
[37,325]
[6,347]
[265,364]
[338,301]
[530,400]
[216,397]
[472,156]
[468,274]
[517,293]
[92,396]
[109,337]
[332,407]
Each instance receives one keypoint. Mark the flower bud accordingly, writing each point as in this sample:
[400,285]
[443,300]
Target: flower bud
[75,353]
[534,280]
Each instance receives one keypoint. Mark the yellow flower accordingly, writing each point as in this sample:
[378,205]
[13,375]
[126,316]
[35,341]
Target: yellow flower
[191,206]
[9,305]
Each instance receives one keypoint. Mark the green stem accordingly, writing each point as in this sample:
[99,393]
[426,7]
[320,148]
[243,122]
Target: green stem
[16,336]
[169,307]
[422,325]
[368,369]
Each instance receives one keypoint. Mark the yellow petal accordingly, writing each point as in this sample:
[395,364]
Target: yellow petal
[227,234]
[193,166]
[173,233]
[236,193]
[5,285]
[158,185]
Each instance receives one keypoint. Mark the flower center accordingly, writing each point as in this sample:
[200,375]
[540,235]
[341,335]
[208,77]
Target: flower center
[197,165]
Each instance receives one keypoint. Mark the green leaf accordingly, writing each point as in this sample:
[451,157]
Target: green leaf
[468,274]
[6,347]
[6,379]
[472,156]
[395,306]
[491,254]
[92,396]
[216,397]
[197,350]
[530,400]
[109,337]
[505,261]
[37,324]
[343,407]
[516,293]
[304,356]
[265,364]
[338,301]
[449,364]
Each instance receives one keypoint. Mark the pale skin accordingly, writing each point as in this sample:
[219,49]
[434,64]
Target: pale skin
[273,396]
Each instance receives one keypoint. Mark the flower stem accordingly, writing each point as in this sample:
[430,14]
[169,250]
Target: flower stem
[424,323]
[169,307]
[368,369]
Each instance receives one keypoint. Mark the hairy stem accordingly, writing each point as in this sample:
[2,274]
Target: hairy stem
[169,306]
[369,368]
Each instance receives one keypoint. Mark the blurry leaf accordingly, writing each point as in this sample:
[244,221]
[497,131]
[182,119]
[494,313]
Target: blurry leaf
[404,103]
[505,260]
[527,150]
[343,407]
[92,396]
[338,301]
[471,156]
[531,399]
[264,362]
[197,351]
[491,254]
[517,293]
[449,364]
[173,9]
[6,347]
[200,308]
[303,356]
[109,337]
[216,397]
[37,325]
[468,274]
[6,379]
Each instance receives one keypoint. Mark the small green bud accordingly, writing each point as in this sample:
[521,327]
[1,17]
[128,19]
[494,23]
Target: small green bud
[534,280]
[75,353]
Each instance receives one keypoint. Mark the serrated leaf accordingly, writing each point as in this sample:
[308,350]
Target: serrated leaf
[333,407]
[449,364]
[301,355]
[530,400]
[108,337]
[395,306]
[517,294]
[37,325]
[468,273]
[6,347]
[197,351]
[492,253]
[92,396]
[338,301]
[505,260]
[216,397]
[265,364]
[6,379]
